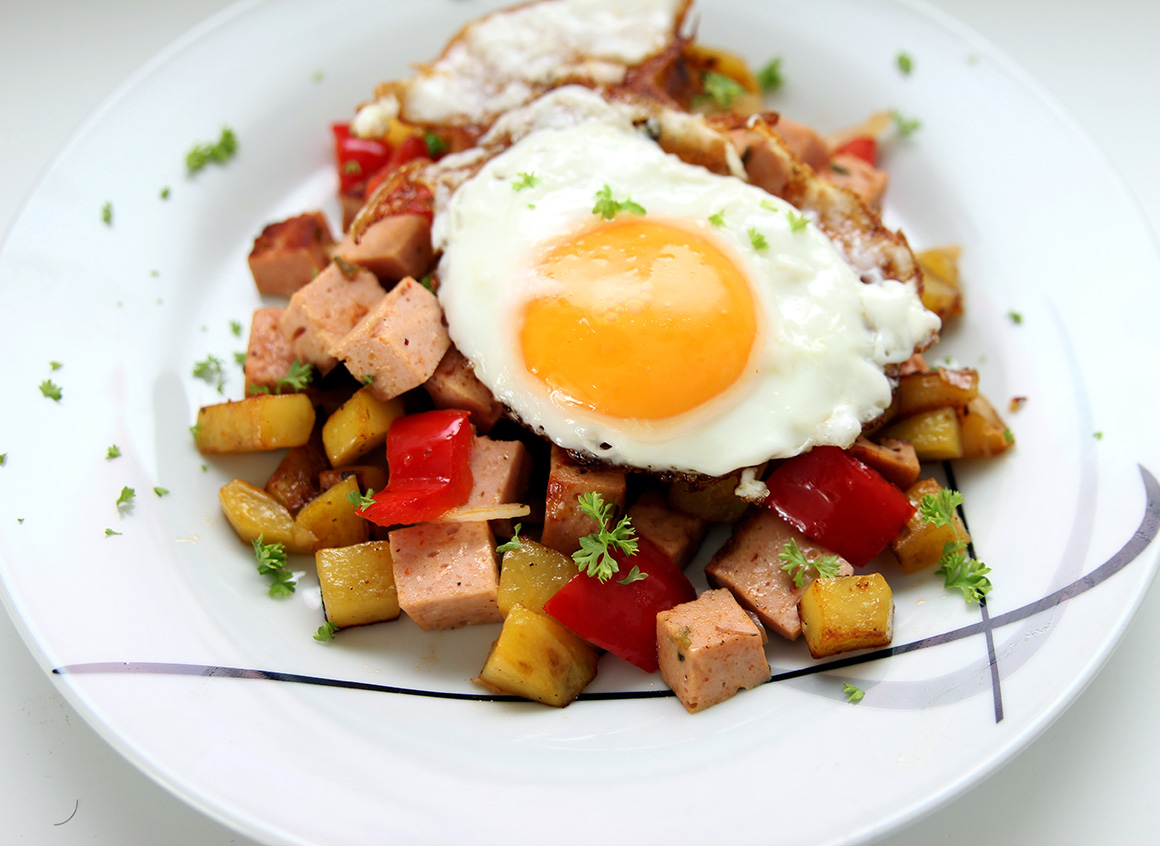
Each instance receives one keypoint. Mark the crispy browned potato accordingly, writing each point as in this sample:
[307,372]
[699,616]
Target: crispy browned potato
[847,612]
[296,479]
[941,290]
[920,544]
[935,435]
[944,388]
[984,432]
[332,519]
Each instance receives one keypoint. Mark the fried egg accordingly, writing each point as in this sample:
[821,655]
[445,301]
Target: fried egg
[653,314]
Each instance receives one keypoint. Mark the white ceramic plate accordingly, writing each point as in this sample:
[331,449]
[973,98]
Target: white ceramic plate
[171,607]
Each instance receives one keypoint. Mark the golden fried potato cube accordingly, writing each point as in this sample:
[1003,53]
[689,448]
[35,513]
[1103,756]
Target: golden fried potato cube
[709,650]
[253,513]
[332,518]
[358,584]
[941,289]
[531,575]
[984,432]
[847,612]
[537,658]
[359,426]
[936,389]
[255,424]
[935,435]
[920,544]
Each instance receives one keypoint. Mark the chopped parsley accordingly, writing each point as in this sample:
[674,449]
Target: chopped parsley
[210,371]
[1008,436]
[1015,317]
[112,452]
[436,146]
[298,378]
[427,283]
[50,389]
[797,221]
[219,152]
[594,558]
[352,168]
[271,558]
[126,498]
[769,77]
[634,575]
[195,430]
[516,542]
[236,328]
[107,214]
[55,365]
[526,180]
[853,694]
[325,632]
[721,89]
[109,533]
[3,458]
[240,359]
[757,239]
[718,219]
[361,501]
[1099,436]
[959,571]
[905,63]
[797,565]
[609,208]
[369,379]
[165,193]
[905,125]
[161,491]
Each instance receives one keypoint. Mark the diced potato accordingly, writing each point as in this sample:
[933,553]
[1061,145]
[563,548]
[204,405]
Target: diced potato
[941,290]
[359,426]
[936,389]
[332,519]
[714,501]
[846,613]
[984,432]
[537,658]
[920,544]
[296,480]
[255,424]
[358,584]
[531,575]
[253,513]
[935,435]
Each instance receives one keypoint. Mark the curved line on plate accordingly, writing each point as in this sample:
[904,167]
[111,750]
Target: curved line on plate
[1129,552]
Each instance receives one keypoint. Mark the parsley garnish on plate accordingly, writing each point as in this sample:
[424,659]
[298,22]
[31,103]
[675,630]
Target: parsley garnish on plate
[1015,317]
[853,694]
[271,558]
[769,77]
[325,632]
[516,542]
[109,533]
[905,125]
[107,214]
[112,452]
[55,365]
[609,208]
[50,389]
[797,565]
[161,491]
[361,501]
[594,558]
[125,500]
[721,89]
[905,63]
[959,571]
[218,152]
[210,370]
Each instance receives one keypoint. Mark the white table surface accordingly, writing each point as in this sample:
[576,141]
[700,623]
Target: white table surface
[1088,779]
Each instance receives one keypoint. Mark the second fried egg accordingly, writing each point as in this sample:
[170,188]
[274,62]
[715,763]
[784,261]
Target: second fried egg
[653,314]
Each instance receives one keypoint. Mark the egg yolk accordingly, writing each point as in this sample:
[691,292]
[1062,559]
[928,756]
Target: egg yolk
[639,319]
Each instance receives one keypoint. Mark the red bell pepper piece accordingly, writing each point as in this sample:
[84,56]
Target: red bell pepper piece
[356,158]
[413,147]
[429,467]
[623,618]
[839,502]
[863,147]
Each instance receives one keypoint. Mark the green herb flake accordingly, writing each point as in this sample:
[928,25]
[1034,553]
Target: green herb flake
[1015,317]
[853,694]
[126,497]
[361,501]
[107,214]
[769,77]
[209,370]
[526,180]
[218,152]
[298,378]
[55,365]
[905,125]
[271,558]
[165,193]
[609,208]
[798,566]
[718,219]
[634,575]
[905,63]
[594,558]
[108,532]
[3,458]
[757,239]
[236,328]
[797,221]
[436,146]
[161,492]
[516,542]
[112,452]
[195,430]
[318,76]
[50,389]
[721,89]
[352,168]
[427,283]
[1099,436]
[240,359]
[325,632]
[959,571]
[1008,436]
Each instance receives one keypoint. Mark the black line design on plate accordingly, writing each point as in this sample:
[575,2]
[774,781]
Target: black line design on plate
[1129,552]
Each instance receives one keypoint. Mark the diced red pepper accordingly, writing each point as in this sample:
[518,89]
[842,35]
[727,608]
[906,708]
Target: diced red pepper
[623,618]
[839,502]
[429,467]
[863,147]
[356,158]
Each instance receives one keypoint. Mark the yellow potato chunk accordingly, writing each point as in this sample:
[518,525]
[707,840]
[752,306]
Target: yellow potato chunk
[984,432]
[935,435]
[933,389]
[920,544]
[537,658]
[941,289]
[359,426]
[358,584]
[332,519]
[253,513]
[255,424]
[846,613]
[531,575]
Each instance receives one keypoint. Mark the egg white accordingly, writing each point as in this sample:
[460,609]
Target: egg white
[824,336]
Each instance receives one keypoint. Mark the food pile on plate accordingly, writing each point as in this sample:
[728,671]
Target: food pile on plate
[594,300]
